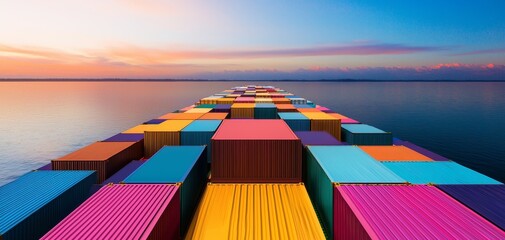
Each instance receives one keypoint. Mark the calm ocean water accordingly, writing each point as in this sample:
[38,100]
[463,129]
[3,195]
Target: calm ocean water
[41,121]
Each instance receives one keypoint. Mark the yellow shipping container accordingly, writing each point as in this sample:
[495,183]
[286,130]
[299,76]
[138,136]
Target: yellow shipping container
[242,110]
[199,110]
[320,121]
[225,100]
[165,133]
[141,128]
[255,211]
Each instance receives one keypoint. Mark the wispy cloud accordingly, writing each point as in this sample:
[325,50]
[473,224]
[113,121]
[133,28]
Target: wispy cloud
[482,51]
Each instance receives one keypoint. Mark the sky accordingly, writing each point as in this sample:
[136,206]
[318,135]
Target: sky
[257,40]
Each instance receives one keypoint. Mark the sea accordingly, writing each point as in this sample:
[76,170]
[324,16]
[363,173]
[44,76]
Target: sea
[43,120]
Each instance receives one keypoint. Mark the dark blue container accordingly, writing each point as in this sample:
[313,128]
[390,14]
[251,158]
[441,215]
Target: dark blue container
[155,121]
[295,120]
[222,108]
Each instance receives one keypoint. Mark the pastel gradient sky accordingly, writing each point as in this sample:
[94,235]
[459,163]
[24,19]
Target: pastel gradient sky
[260,39]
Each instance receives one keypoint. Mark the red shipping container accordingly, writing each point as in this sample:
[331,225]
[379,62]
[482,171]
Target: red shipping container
[248,151]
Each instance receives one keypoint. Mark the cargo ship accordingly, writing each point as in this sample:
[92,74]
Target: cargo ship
[253,162]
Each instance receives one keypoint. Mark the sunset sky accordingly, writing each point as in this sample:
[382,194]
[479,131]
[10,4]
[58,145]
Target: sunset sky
[257,39]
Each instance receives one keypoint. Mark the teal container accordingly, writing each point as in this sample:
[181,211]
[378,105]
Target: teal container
[206,106]
[363,134]
[199,132]
[35,202]
[327,166]
[265,111]
[295,120]
[438,172]
[184,165]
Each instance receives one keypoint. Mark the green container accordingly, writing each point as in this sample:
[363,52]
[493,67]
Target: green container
[206,106]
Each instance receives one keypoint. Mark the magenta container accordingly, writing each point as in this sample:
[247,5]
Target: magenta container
[244,100]
[349,121]
[405,212]
[130,211]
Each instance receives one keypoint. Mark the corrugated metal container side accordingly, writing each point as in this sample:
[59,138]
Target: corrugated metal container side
[226,100]
[296,121]
[214,116]
[394,153]
[282,100]
[486,200]
[327,165]
[263,100]
[147,211]
[257,150]
[126,137]
[302,106]
[255,211]
[324,122]
[441,172]
[286,108]
[265,111]
[242,110]
[222,108]
[362,134]
[124,172]
[244,100]
[405,212]
[309,109]
[199,133]
[428,153]
[35,202]
[177,164]
[106,158]
[167,133]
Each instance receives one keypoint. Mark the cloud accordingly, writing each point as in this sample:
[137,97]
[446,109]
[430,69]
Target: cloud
[482,51]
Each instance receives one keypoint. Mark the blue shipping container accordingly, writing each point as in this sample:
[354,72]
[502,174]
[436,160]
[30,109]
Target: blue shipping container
[363,134]
[35,202]
[295,120]
[199,132]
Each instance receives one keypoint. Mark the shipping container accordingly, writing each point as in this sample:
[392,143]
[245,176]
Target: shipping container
[344,119]
[265,111]
[259,150]
[121,175]
[210,100]
[242,110]
[183,165]
[182,116]
[281,100]
[308,110]
[35,202]
[244,100]
[154,121]
[106,158]
[222,108]
[362,134]
[428,153]
[199,133]
[263,100]
[255,211]
[438,172]
[317,138]
[394,154]
[296,121]
[140,129]
[486,200]
[186,108]
[286,108]
[126,137]
[327,166]
[198,110]
[48,166]
[206,106]
[214,116]
[324,122]
[129,211]
[301,106]
[405,212]
[167,133]
[226,100]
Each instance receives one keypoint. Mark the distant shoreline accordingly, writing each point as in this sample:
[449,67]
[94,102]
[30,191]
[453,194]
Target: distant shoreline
[223,80]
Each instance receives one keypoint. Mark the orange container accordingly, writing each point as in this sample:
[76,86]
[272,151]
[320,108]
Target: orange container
[242,110]
[166,133]
[320,121]
[281,100]
[394,153]
[308,110]
[285,108]
[214,116]
[182,116]
[106,158]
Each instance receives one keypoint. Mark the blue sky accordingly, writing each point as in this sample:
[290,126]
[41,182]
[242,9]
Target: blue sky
[253,39]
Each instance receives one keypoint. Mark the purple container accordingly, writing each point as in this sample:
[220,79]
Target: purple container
[124,172]
[155,121]
[397,141]
[317,138]
[48,166]
[222,108]
[126,137]
[486,200]
[421,150]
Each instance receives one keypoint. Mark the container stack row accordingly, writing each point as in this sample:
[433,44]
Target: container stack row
[281,167]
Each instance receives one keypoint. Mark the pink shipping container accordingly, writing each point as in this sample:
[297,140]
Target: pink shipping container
[405,212]
[131,211]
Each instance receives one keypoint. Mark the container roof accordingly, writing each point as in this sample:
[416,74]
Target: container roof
[438,172]
[30,192]
[349,164]
[202,126]
[318,116]
[415,212]
[171,164]
[265,105]
[361,128]
[146,202]
[182,116]
[254,129]
[214,116]
[98,151]
[260,211]
[317,138]
[394,153]
[292,116]
[125,137]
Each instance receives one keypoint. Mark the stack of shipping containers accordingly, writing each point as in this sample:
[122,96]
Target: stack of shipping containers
[280,167]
